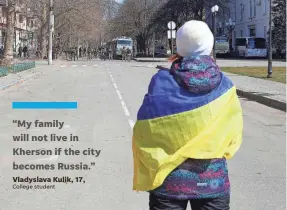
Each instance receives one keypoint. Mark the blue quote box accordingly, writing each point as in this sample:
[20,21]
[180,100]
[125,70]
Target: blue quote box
[44,105]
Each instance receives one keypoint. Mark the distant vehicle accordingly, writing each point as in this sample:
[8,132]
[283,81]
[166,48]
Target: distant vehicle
[277,53]
[118,44]
[221,46]
[251,47]
[160,49]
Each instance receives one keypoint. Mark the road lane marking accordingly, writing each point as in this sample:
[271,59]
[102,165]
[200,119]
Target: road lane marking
[119,95]
[132,123]
[115,85]
[124,106]
[52,157]
[74,65]
[127,113]
[84,65]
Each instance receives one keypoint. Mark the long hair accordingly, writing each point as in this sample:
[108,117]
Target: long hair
[174,58]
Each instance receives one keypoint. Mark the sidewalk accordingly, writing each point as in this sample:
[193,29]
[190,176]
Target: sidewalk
[269,93]
[13,79]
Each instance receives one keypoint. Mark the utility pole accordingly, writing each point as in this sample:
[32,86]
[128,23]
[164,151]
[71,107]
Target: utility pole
[171,41]
[214,34]
[145,21]
[214,10]
[51,29]
[145,17]
[153,47]
[269,75]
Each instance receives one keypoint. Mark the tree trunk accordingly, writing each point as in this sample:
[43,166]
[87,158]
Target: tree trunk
[43,33]
[8,51]
[141,40]
[78,48]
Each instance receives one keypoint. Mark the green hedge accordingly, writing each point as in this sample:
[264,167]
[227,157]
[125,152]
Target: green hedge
[18,67]
[3,71]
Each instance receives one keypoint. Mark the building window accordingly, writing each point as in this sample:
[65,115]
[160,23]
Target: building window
[234,38]
[241,33]
[21,19]
[235,13]
[265,6]
[4,12]
[250,11]
[241,11]
[254,1]
[252,31]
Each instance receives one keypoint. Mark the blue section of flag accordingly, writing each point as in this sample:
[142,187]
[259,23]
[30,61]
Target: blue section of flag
[165,97]
[44,105]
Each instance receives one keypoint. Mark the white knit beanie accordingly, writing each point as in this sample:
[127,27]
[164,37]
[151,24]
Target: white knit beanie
[194,38]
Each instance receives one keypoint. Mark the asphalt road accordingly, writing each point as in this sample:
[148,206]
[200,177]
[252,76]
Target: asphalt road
[109,95]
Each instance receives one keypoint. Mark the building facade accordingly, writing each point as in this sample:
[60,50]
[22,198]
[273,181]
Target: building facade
[25,29]
[245,18]
[251,18]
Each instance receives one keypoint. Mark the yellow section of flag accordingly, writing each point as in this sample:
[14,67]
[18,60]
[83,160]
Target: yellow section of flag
[162,144]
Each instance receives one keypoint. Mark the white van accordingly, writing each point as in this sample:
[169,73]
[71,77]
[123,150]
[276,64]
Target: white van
[222,46]
[251,47]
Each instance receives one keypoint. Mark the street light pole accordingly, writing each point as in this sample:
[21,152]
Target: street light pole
[269,75]
[153,47]
[145,15]
[50,34]
[214,10]
[145,20]
[230,27]
[213,30]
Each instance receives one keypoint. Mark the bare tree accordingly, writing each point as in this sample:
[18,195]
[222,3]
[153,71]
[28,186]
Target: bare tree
[141,18]
[8,51]
[185,10]
[133,20]
[75,20]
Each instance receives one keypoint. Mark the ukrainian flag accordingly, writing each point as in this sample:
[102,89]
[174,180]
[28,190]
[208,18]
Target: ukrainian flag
[174,125]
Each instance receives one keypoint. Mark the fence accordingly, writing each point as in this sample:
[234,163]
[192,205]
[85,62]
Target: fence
[18,67]
[3,71]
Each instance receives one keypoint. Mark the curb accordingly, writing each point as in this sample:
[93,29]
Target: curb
[263,100]
[4,87]
[155,61]
[273,103]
